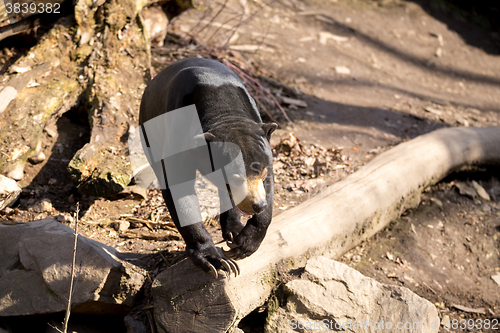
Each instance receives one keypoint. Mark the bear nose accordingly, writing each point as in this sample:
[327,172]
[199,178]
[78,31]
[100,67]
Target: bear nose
[259,206]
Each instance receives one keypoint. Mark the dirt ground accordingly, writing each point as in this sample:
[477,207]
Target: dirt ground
[373,74]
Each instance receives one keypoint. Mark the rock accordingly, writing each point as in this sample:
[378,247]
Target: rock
[339,298]
[9,191]
[462,121]
[133,191]
[134,326]
[16,171]
[59,218]
[44,205]
[35,266]
[156,21]
[438,202]
[324,36]
[7,94]
[445,322]
[439,37]
[466,190]
[435,111]
[469,310]
[439,52]
[342,70]
[496,278]
[38,158]
[121,226]
[481,191]
[51,132]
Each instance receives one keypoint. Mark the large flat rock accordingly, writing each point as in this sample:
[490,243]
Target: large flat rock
[331,295]
[35,267]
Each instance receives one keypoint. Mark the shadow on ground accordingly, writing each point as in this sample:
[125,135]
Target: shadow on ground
[478,22]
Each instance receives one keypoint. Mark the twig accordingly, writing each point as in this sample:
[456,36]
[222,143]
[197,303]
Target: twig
[72,275]
[193,33]
[233,30]
[54,327]
[266,110]
[257,83]
[251,16]
[143,234]
[213,18]
[163,257]
[151,321]
[77,277]
[248,83]
[259,92]
[163,225]
[23,26]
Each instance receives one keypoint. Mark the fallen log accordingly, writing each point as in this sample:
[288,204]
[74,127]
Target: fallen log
[354,209]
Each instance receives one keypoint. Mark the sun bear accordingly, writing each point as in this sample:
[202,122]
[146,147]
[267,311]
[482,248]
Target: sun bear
[197,116]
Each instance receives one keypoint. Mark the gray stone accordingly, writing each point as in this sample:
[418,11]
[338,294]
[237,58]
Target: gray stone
[9,191]
[496,278]
[38,158]
[16,171]
[335,295]
[134,326]
[121,226]
[237,330]
[35,266]
[284,321]
[156,21]
[44,205]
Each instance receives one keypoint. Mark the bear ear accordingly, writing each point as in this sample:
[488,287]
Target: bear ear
[203,137]
[269,128]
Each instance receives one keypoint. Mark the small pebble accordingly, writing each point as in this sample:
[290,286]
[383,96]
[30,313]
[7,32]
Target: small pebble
[445,322]
[43,206]
[39,158]
[121,226]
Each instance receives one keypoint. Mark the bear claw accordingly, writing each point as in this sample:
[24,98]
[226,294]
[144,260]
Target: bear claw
[228,266]
[231,253]
[213,271]
[231,245]
[231,267]
[234,266]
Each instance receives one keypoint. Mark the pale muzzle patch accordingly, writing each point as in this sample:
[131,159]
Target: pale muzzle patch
[255,192]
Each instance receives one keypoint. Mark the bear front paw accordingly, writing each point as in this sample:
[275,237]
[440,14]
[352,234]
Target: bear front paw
[211,260]
[245,243]
[231,231]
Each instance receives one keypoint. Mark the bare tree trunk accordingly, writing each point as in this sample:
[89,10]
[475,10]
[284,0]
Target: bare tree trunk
[45,83]
[100,58]
[118,69]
